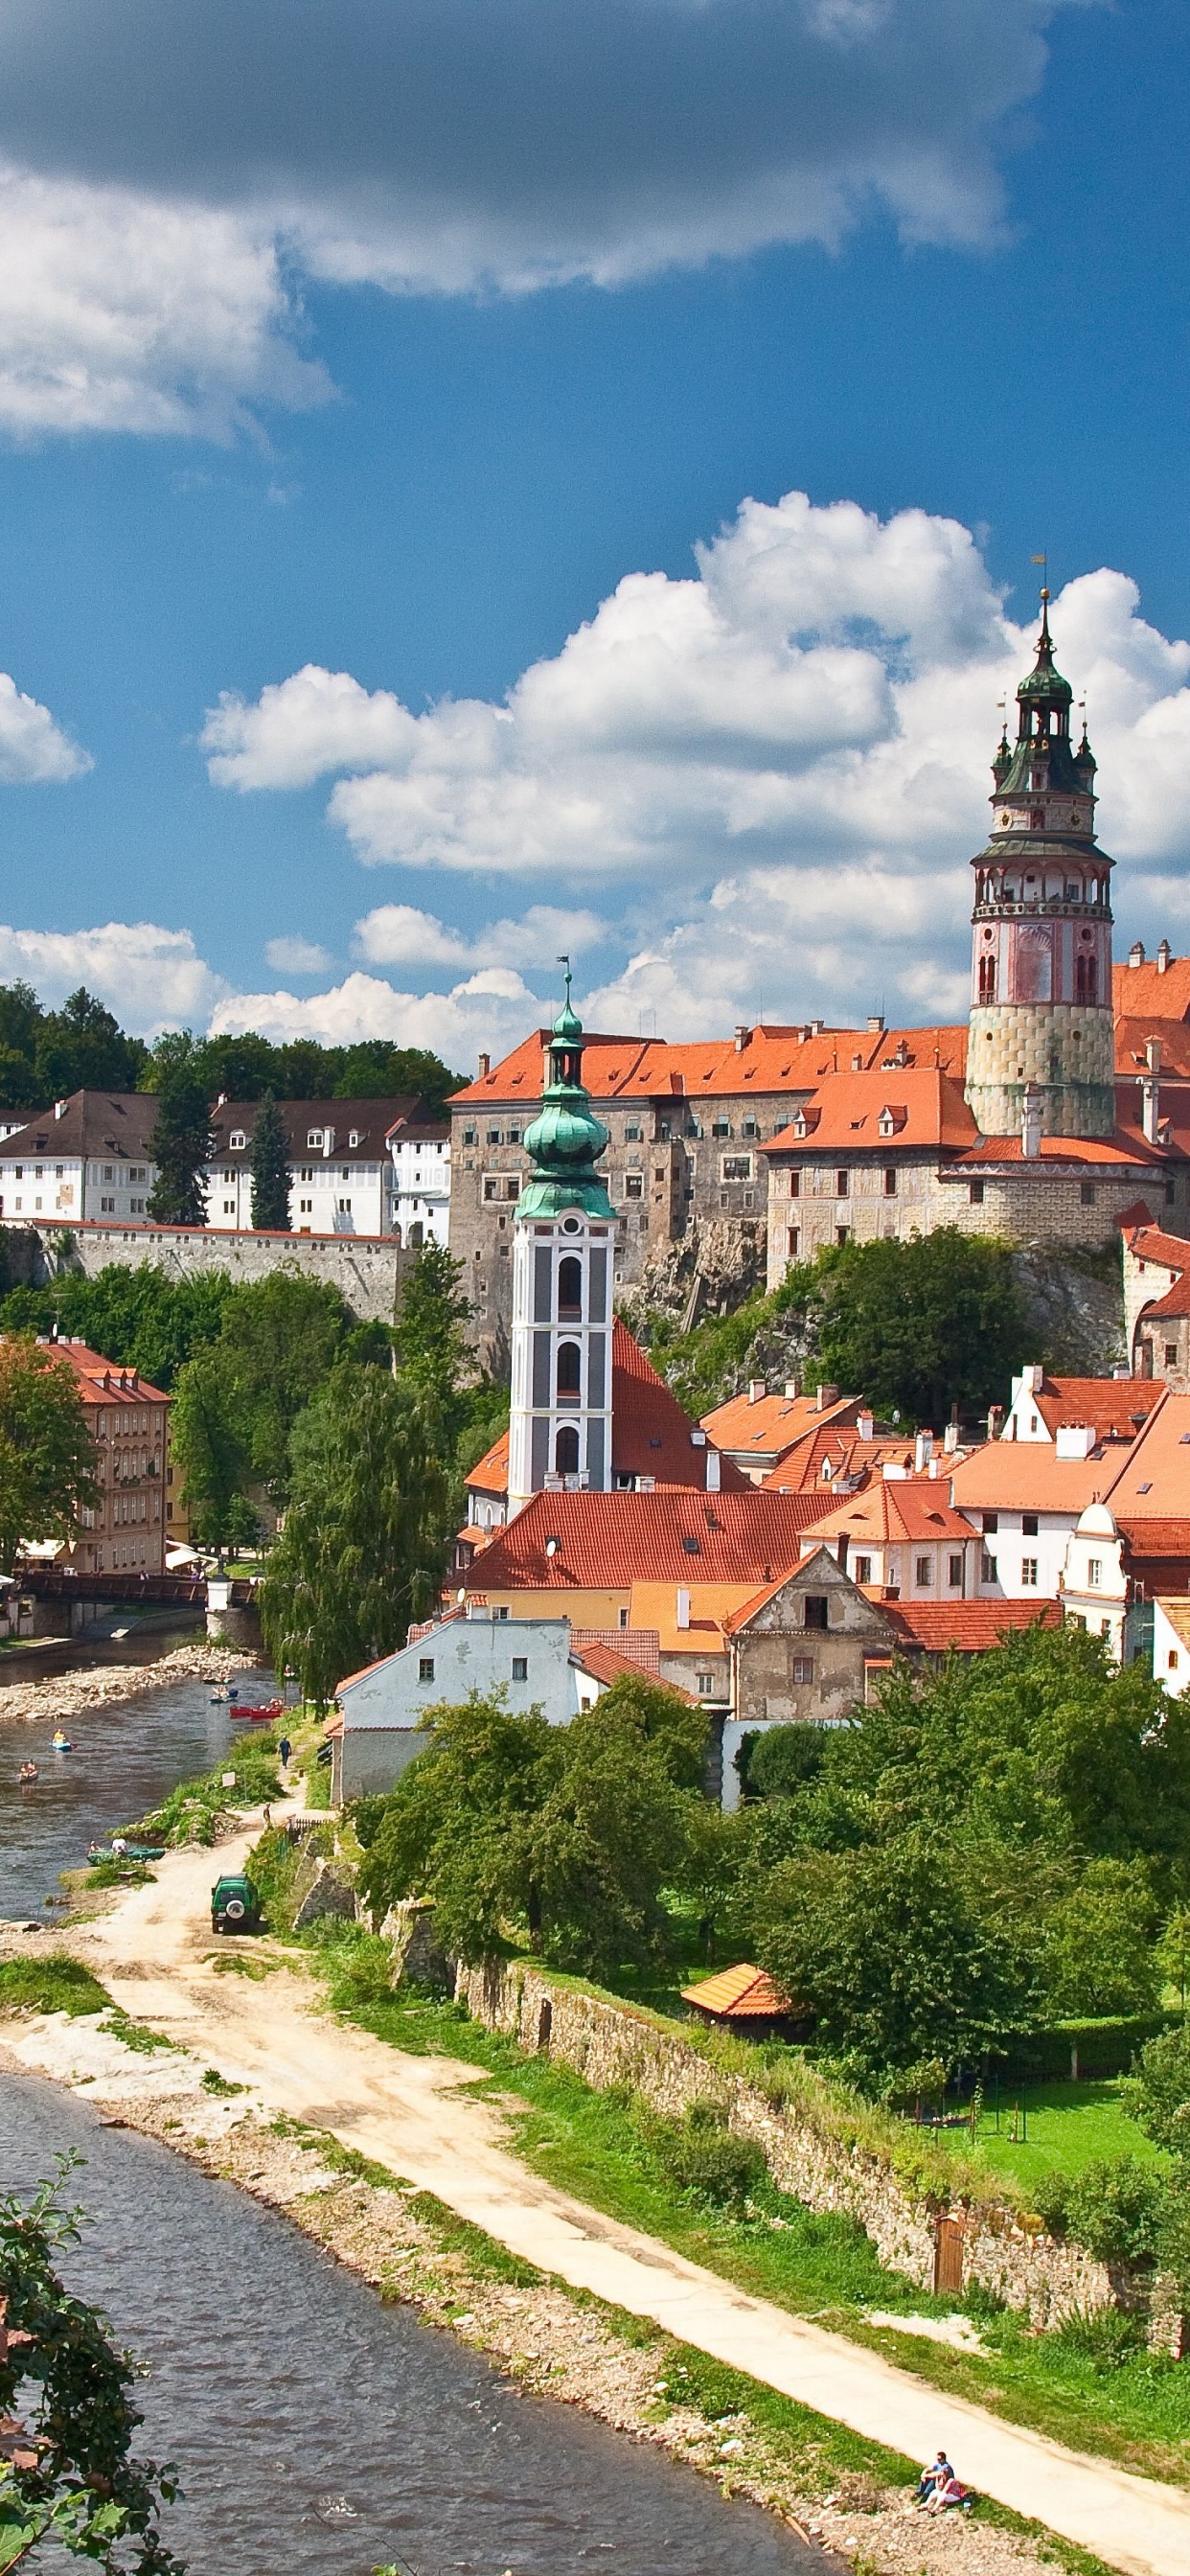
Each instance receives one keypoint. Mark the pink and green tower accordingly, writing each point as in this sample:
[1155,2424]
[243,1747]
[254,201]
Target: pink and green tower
[1041,983]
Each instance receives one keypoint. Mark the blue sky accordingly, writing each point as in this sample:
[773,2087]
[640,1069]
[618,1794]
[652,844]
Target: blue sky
[421,345]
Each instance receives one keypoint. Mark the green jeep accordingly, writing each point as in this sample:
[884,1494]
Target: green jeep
[235,1905]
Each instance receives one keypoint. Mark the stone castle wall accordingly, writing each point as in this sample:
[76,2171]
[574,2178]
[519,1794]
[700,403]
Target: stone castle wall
[1035,1204]
[1066,1048]
[366,1269]
[609,2045]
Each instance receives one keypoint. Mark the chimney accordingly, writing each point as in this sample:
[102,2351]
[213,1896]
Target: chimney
[1031,1123]
[756,1388]
[1136,954]
[485,1066]
[713,1469]
[792,1389]
[816,1028]
[995,1418]
[221,1102]
[950,1438]
[865,1426]
[60,1108]
[875,1024]
[1150,1089]
[742,1035]
[682,1618]
[826,1395]
[923,1451]
[1163,957]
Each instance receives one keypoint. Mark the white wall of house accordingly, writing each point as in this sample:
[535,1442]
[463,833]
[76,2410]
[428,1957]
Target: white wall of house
[1024,1557]
[330,1195]
[48,1192]
[1094,1584]
[385,1709]
[421,1187]
[1171,1654]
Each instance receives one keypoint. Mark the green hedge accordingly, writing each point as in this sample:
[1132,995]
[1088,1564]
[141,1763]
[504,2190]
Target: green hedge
[1104,2047]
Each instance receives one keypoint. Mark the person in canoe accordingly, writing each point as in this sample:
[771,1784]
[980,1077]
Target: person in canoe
[60,1743]
[27,1774]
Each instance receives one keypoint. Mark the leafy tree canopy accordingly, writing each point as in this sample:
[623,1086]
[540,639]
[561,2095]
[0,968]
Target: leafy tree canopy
[367,1529]
[74,2479]
[142,1318]
[47,1462]
[1157,2093]
[183,1139]
[245,1067]
[45,1055]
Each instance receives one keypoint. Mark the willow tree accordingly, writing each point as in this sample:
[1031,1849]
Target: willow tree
[367,1529]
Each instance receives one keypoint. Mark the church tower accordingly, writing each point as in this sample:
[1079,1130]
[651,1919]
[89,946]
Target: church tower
[560,1431]
[1041,987]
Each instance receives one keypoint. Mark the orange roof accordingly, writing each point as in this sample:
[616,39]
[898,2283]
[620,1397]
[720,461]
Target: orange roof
[845,1454]
[871,1112]
[1027,1475]
[613,1542]
[1169,1539]
[738,1994]
[772,1423]
[365,1669]
[1176,1301]
[943,1049]
[1110,1405]
[1127,1147]
[1148,1243]
[1132,1037]
[1154,1480]
[713,1607]
[651,1435]
[969,1626]
[103,1381]
[914,1509]
[604,1664]
[622,1068]
[1139,990]
[489,1475]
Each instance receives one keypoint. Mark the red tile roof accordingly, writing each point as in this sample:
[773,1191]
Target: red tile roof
[1149,1243]
[915,1509]
[738,1994]
[1140,990]
[103,1381]
[606,1664]
[1028,1475]
[772,1423]
[608,1542]
[1132,1039]
[1164,1538]
[1108,1405]
[623,1068]
[1153,1482]
[1121,1151]
[845,1453]
[640,1647]
[651,1435]
[969,1626]
[873,1112]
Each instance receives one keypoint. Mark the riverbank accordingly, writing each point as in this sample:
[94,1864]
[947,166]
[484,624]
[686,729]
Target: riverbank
[65,1695]
[825,2484]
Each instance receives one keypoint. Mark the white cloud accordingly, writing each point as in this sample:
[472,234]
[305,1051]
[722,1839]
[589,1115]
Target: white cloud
[34,751]
[151,978]
[491,1009]
[175,176]
[782,764]
[296,956]
[396,934]
[122,311]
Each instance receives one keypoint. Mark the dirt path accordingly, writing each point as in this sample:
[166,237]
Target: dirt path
[420,2118]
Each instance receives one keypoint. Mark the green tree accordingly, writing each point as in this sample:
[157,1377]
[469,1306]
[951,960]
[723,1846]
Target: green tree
[141,1318]
[82,1047]
[278,1340]
[367,1530]
[69,2475]
[1157,2093]
[47,1461]
[1100,1953]
[272,1179]
[566,1835]
[430,1333]
[903,1952]
[182,1141]
[210,1450]
[923,1323]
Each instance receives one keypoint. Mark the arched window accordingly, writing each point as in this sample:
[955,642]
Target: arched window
[570,1285]
[987,979]
[569,1373]
[566,1451]
[1086,979]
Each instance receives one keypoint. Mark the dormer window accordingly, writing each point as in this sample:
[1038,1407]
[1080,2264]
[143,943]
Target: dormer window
[237,1142]
[353,1139]
[313,1140]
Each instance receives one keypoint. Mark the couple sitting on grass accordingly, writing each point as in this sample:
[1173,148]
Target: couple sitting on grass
[939,2488]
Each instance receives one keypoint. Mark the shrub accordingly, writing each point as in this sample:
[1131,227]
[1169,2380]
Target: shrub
[1116,2208]
[57,1983]
[1106,2337]
[1157,2094]
[782,1760]
[702,2155]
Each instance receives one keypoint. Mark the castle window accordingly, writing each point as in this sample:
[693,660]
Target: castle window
[1086,979]
[566,1451]
[569,1373]
[794,1241]
[863,1569]
[987,979]
[956,1573]
[890,1184]
[841,1234]
[842,1181]
[1171,1354]
[975,1193]
[1087,1193]
[815,1610]
[803,1668]
[570,1285]
[795,1185]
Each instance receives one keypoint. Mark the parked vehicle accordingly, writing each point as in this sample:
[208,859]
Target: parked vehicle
[235,1904]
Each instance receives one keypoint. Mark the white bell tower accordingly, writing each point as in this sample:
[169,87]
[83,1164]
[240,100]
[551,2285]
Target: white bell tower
[560,1429]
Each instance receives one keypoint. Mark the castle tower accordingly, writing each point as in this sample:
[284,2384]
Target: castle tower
[1041,985]
[560,1429]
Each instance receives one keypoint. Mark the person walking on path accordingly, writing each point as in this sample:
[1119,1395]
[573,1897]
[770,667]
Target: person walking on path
[285,1748]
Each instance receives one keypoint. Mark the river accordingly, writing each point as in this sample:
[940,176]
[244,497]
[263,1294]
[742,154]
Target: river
[127,1756]
[317,2429]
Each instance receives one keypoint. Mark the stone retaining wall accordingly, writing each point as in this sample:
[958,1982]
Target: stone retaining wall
[367,1269]
[609,2045]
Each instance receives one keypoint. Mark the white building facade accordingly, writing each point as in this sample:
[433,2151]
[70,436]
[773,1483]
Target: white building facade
[420,1181]
[86,1158]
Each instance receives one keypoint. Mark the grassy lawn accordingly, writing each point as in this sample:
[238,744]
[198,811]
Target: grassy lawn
[1066,2126]
[1077,2385]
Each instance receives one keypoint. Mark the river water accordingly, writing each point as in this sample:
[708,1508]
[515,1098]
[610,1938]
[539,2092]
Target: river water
[317,2430]
[126,1758]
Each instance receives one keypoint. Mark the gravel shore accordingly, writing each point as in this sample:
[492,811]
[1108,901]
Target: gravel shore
[102,1686]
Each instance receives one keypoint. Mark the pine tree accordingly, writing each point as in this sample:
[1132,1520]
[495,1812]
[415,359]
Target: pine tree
[272,1179]
[181,1144]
